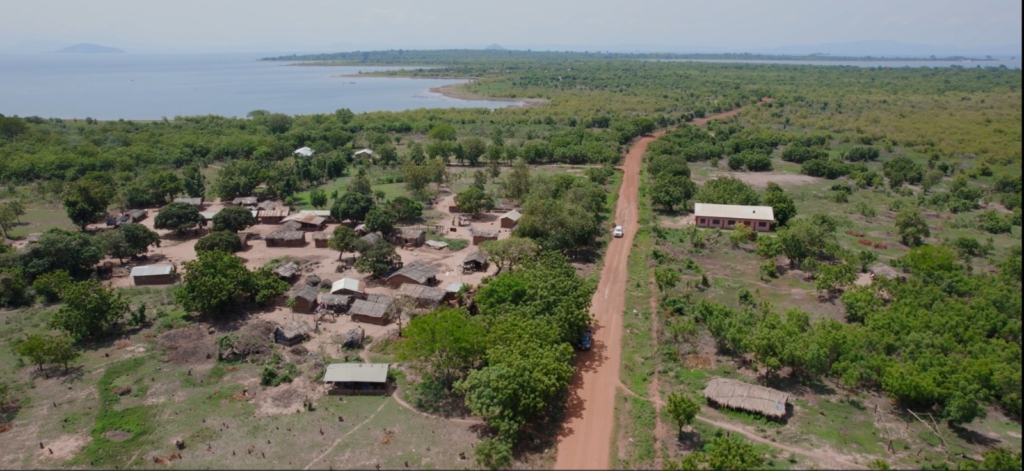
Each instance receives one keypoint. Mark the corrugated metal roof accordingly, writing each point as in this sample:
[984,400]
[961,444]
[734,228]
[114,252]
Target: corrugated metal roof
[209,214]
[734,211]
[363,151]
[152,270]
[306,219]
[350,284]
[315,212]
[192,201]
[273,213]
[356,372]
[455,287]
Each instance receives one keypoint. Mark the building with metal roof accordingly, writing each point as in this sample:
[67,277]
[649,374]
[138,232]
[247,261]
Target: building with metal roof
[726,216]
[416,271]
[285,238]
[307,221]
[350,286]
[367,153]
[304,151]
[356,378]
[153,275]
[197,202]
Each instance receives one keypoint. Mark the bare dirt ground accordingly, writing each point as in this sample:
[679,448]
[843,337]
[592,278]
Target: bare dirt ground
[761,179]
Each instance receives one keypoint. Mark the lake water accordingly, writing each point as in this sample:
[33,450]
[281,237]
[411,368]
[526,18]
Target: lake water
[151,86]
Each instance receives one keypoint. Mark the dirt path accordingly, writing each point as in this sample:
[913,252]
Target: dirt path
[336,442]
[470,421]
[824,458]
[654,389]
[585,440]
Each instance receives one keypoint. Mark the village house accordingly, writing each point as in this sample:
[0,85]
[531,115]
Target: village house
[371,238]
[271,216]
[292,333]
[738,395]
[304,152]
[208,216]
[482,235]
[357,378]
[416,272]
[324,213]
[510,219]
[375,309]
[321,239]
[307,222]
[410,237]
[285,238]
[153,275]
[336,303]
[348,286]
[476,261]
[250,202]
[33,237]
[362,154]
[304,297]
[196,202]
[287,270]
[726,216]
[424,296]
[453,289]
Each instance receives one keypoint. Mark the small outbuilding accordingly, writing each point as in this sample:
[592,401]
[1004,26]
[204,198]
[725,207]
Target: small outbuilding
[410,237]
[483,235]
[349,286]
[305,297]
[375,309]
[747,397]
[416,272]
[476,261]
[726,216]
[271,216]
[247,201]
[454,288]
[196,202]
[287,270]
[371,238]
[510,219]
[336,303]
[33,237]
[357,378]
[436,244]
[292,333]
[321,239]
[424,296]
[304,152]
[153,275]
[136,215]
[362,154]
[285,238]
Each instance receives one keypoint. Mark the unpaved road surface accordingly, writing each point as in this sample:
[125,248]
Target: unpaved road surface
[585,441]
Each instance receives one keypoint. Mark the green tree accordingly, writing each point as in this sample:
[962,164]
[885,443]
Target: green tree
[517,182]
[474,201]
[266,287]
[381,219]
[727,453]
[239,178]
[343,240]
[442,132]
[56,348]
[493,453]
[742,234]
[682,408]
[318,197]
[912,227]
[7,219]
[58,249]
[233,219]
[87,199]
[902,170]
[406,209]
[443,344]
[193,181]
[178,217]
[474,149]
[89,309]
[224,241]
[17,208]
[352,206]
[213,283]
[50,285]
[506,253]
[113,244]
[781,203]
[727,190]
[377,259]
[670,192]
[360,184]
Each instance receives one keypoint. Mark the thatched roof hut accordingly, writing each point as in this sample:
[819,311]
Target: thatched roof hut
[286,270]
[424,296]
[335,302]
[292,333]
[747,397]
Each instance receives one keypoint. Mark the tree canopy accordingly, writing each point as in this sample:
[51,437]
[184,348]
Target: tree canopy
[234,219]
[178,217]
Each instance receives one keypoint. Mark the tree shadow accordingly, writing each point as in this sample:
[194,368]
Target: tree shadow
[688,441]
[975,437]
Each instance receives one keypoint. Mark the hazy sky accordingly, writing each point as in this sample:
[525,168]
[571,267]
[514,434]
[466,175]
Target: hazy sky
[224,25]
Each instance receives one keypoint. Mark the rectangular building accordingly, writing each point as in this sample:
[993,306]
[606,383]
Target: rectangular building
[727,216]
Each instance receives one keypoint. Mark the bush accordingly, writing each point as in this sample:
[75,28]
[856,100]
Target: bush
[825,167]
[991,222]
[861,154]
[225,241]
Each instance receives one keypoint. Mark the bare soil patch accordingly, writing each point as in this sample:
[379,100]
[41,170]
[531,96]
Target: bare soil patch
[284,399]
[117,435]
[189,345]
[64,447]
[761,179]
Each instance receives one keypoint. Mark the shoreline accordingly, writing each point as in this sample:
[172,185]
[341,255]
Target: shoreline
[449,91]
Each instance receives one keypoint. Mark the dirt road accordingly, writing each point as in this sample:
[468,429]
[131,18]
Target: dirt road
[585,441]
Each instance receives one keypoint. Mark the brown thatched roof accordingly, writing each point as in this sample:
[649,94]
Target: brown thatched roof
[422,293]
[749,397]
[294,329]
[417,271]
[285,234]
[322,235]
[486,233]
[335,301]
[375,305]
[476,257]
[286,270]
[306,292]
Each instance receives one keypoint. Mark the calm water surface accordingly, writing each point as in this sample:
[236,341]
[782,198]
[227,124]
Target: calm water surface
[151,86]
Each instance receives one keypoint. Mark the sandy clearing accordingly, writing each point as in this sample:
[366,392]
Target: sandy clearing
[761,179]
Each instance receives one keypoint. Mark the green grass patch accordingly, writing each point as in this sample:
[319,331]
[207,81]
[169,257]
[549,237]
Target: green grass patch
[137,420]
[454,245]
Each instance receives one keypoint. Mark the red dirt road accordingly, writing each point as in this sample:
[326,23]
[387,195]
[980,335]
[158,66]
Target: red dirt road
[585,441]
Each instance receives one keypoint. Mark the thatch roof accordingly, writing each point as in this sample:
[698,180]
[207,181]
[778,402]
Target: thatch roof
[371,238]
[748,397]
[375,305]
[335,301]
[478,257]
[417,271]
[322,235]
[285,234]
[485,233]
[422,293]
[246,201]
[306,292]
[407,233]
[286,270]
[137,214]
[293,329]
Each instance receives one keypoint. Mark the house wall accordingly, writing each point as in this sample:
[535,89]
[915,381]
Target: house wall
[729,223]
[303,305]
[153,280]
[286,243]
[399,280]
[270,220]
[369,319]
[507,223]
[321,243]
[477,240]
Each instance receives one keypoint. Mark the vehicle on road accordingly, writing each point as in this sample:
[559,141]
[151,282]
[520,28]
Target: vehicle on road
[587,340]
[618,232]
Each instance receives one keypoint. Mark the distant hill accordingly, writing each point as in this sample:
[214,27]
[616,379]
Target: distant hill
[494,47]
[86,48]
